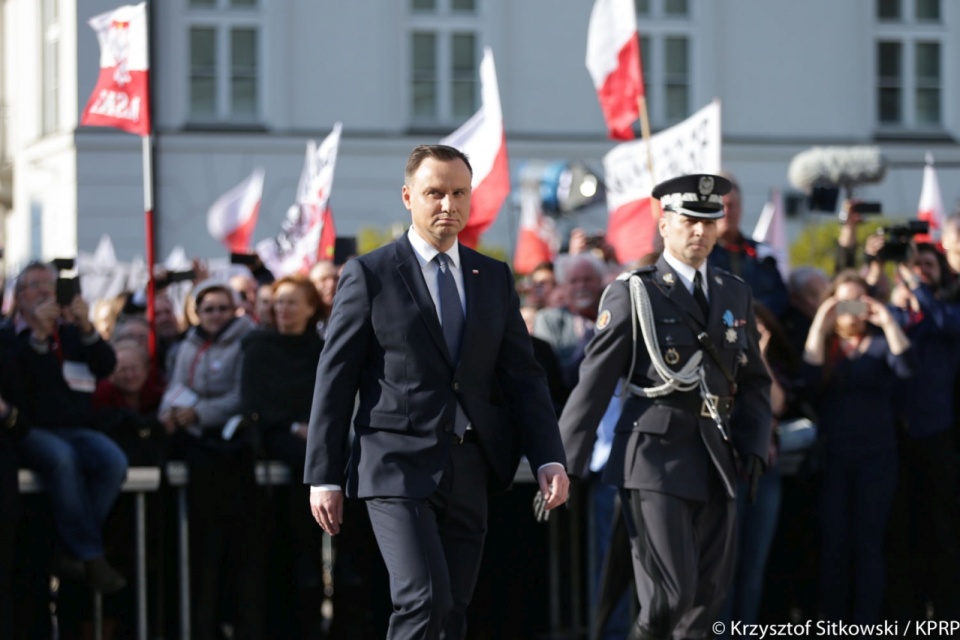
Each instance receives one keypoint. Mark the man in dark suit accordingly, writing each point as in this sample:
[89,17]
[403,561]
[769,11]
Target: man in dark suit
[429,334]
[673,454]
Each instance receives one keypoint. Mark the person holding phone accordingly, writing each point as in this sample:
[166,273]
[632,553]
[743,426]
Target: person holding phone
[58,357]
[856,355]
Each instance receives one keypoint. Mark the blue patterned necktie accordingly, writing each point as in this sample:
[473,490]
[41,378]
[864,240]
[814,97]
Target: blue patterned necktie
[451,309]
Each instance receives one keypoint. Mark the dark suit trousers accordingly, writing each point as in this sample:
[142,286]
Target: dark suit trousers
[432,548]
[683,560]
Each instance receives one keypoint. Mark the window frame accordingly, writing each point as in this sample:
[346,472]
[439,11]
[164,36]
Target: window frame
[444,23]
[656,28]
[224,19]
[910,33]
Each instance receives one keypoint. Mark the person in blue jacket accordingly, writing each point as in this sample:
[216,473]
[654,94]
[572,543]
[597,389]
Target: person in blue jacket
[925,511]
[752,261]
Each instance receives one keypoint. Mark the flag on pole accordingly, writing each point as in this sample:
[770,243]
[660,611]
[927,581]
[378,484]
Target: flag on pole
[692,146]
[483,140]
[613,60]
[308,234]
[232,218]
[120,99]
[931,203]
[537,239]
[771,232]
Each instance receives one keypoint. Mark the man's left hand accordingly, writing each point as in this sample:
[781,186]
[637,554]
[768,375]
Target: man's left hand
[78,313]
[554,485]
[755,469]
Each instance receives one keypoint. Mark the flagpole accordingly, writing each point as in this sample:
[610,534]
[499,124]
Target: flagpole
[147,150]
[148,213]
[645,133]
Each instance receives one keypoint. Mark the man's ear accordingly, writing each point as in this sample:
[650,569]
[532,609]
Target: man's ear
[405,195]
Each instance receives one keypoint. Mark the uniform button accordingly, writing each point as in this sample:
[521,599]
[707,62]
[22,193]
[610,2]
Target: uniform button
[456,386]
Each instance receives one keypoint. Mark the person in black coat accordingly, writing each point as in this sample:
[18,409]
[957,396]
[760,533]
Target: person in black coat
[429,333]
[58,357]
[11,430]
[276,385]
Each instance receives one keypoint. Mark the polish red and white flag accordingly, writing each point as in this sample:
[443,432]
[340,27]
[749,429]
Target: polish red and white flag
[121,97]
[483,140]
[232,218]
[613,60]
[771,233]
[537,240]
[308,234]
[931,203]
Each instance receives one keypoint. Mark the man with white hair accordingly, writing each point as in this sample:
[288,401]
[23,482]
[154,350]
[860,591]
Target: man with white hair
[582,277]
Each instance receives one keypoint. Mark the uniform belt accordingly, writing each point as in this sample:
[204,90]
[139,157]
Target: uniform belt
[469,436]
[693,403]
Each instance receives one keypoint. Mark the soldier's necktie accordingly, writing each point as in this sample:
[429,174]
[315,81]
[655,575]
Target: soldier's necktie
[699,296]
[451,309]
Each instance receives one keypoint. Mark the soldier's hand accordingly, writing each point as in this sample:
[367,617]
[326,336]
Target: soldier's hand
[754,471]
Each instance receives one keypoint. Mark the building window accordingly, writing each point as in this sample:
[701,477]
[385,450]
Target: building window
[927,10]
[676,8]
[888,9]
[890,82]
[676,79]
[50,64]
[444,59]
[927,87]
[909,65]
[666,55]
[225,76]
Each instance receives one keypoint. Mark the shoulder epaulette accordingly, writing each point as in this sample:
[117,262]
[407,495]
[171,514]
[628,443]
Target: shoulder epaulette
[626,275]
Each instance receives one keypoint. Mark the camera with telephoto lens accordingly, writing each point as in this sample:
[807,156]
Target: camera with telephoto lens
[897,246]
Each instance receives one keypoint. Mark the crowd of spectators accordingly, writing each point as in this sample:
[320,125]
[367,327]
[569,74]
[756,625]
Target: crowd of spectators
[869,356]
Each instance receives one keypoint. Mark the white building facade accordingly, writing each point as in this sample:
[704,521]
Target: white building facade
[241,84]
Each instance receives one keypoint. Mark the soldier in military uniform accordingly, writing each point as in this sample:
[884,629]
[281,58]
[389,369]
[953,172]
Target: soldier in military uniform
[681,339]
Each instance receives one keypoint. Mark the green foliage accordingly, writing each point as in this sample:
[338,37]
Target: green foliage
[816,245]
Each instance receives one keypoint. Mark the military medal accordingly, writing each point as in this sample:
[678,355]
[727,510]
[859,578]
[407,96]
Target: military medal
[743,359]
[671,356]
[731,335]
[668,278]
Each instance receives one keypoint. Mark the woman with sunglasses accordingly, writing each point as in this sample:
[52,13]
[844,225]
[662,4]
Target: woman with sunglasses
[202,398]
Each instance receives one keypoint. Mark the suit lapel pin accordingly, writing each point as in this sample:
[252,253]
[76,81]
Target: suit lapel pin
[718,280]
[475,272]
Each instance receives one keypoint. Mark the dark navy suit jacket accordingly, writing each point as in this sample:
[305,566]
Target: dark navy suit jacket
[386,344]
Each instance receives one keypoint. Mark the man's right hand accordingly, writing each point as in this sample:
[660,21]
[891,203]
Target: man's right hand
[327,508]
[43,319]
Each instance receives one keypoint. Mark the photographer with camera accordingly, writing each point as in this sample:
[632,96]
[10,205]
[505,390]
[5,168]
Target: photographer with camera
[925,514]
[856,356]
[58,357]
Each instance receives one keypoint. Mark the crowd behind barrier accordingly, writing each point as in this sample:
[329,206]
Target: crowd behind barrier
[868,359]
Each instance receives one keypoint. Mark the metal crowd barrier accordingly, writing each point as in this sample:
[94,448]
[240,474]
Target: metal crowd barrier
[140,480]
